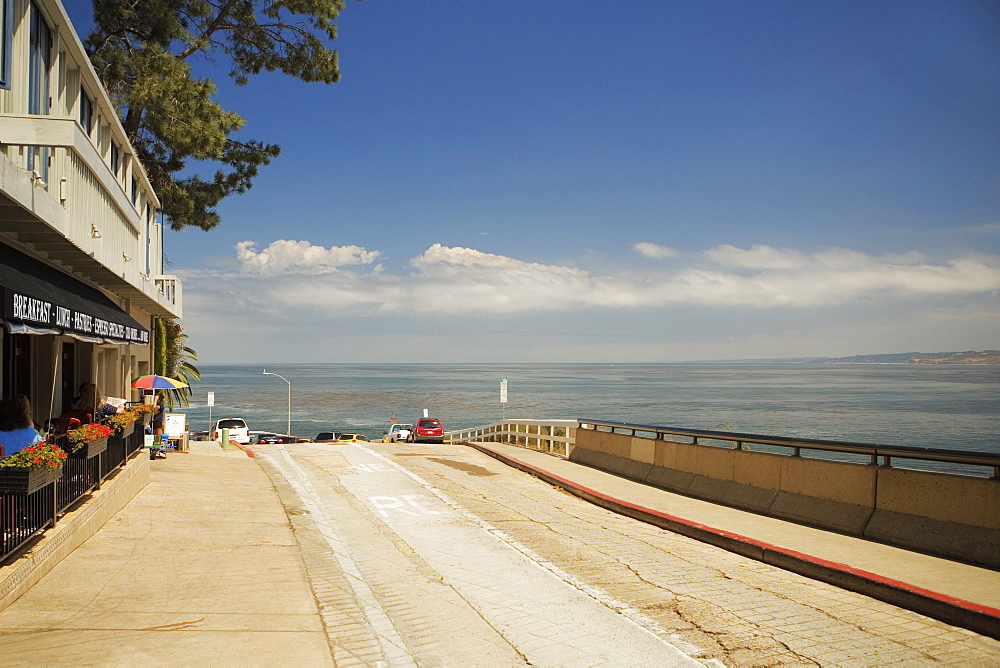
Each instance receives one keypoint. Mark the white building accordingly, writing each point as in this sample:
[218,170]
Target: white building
[81,251]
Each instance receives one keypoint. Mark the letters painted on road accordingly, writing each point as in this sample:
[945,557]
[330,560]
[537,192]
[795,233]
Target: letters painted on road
[384,503]
[373,468]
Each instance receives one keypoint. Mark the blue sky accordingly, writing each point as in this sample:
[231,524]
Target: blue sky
[637,181]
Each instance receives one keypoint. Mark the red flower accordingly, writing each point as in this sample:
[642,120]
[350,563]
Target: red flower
[41,455]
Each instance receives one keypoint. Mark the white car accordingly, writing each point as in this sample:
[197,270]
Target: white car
[238,430]
[398,432]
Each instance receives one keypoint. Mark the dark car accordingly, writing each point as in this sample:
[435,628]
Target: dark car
[277,438]
[326,436]
[426,430]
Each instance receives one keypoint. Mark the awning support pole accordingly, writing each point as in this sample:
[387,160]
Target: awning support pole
[55,374]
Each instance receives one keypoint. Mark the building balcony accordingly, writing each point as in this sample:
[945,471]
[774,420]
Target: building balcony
[79,215]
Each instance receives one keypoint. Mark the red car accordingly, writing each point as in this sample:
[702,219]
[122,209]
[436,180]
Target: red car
[426,430]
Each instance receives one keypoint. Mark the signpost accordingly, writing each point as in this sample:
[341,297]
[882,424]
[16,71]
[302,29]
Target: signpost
[503,398]
[210,402]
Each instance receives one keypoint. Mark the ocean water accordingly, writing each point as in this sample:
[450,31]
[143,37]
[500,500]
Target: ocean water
[948,406]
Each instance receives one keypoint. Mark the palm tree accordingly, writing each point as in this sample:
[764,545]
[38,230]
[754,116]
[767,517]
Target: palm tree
[177,363]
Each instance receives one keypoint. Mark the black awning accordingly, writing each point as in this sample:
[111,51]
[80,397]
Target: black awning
[39,296]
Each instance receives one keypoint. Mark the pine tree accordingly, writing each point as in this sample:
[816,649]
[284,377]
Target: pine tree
[141,51]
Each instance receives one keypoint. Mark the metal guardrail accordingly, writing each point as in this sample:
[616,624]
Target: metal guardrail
[544,435]
[878,454]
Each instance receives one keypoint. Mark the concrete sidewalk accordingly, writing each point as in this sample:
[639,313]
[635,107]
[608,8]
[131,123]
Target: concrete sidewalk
[956,593]
[205,552]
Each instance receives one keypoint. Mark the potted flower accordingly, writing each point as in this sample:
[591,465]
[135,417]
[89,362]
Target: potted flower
[31,468]
[122,422]
[88,440]
[145,411]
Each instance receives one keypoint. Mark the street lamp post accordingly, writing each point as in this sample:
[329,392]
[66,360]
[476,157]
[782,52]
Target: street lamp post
[288,429]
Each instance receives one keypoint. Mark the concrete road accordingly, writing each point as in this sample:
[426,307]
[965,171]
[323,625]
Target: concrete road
[440,555]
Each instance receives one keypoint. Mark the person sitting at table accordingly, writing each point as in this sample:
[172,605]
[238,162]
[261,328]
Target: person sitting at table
[17,429]
[93,402]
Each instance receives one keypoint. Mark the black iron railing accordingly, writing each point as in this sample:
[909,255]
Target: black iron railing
[871,453]
[24,517]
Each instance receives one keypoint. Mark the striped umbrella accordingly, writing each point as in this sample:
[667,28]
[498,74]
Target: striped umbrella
[155,382]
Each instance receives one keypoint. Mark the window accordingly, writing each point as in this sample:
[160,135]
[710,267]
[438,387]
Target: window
[116,159]
[38,161]
[6,37]
[86,112]
[135,191]
[149,224]
[39,64]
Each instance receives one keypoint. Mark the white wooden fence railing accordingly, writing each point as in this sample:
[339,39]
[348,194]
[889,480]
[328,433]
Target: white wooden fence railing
[546,435]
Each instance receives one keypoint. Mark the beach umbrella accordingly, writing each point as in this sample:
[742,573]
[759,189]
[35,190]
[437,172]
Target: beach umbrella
[154,382]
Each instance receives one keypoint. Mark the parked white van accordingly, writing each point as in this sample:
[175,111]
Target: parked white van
[238,430]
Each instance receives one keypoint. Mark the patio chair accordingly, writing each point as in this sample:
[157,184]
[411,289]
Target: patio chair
[60,425]
[83,416]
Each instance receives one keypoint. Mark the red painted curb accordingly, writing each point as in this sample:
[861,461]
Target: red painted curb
[888,587]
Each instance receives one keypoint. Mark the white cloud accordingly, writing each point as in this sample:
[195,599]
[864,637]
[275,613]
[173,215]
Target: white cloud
[299,257]
[758,257]
[654,251]
[461,303]
[453,280]
[456,280]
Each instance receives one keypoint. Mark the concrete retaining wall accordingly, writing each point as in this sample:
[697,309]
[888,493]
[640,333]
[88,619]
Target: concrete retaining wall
[953,516]
[948,515]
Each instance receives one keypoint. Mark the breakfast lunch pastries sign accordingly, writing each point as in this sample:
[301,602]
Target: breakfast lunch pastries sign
[39,299]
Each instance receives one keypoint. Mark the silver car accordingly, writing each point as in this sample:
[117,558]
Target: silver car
[398,432]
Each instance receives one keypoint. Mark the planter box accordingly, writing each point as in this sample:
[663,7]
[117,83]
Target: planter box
[126,431]
[89,449]
[25,480]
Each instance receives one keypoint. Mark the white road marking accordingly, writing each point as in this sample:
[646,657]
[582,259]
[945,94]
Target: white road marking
[682,651]
[391,643]
[371,468]
[383,503]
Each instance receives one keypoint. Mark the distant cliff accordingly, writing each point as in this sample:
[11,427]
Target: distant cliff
[966,357]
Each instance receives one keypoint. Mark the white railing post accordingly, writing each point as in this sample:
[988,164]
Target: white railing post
[542,435]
